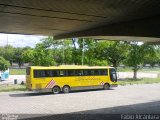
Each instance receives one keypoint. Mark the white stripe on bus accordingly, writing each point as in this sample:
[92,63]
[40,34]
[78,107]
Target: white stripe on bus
[50,84]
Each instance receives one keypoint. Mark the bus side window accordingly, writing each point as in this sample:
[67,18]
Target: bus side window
[42,73]
[104,72]
[39,73]
[55,73]
[96,72]
[88,72]
[66,73]
[85,72]
[61,73]
[91,72]
[48,73]
[79,72]
[71,72]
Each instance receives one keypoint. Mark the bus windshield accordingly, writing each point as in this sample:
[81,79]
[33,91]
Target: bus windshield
[113,75]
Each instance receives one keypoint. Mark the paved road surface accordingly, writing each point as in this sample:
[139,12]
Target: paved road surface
[121,100]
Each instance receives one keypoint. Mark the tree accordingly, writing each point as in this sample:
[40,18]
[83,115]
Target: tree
[137,55]
[43,56]
[4,64]
[55,47]
[7,52]
[18,57]
[90,52]
[28,56]
[67,51]
[86,49]
[114,52]
[50,42]
[158,55]
[76,51]
[154,58]
[70,51]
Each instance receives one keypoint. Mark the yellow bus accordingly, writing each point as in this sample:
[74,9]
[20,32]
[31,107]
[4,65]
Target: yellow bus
[68,78]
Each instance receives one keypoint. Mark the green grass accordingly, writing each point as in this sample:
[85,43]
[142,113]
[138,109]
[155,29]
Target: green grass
[139,81]
[8,88]
[17,71]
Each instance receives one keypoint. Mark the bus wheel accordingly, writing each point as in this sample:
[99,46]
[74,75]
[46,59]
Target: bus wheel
[56,90]
[66,89]
[106,86]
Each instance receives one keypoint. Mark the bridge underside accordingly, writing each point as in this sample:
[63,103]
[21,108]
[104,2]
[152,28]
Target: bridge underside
[127,20]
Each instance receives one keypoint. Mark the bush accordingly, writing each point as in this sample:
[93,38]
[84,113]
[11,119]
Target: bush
[4,64]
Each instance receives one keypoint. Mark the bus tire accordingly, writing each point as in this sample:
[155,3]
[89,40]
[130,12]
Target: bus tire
[66,89]
[56,90]
[106,86]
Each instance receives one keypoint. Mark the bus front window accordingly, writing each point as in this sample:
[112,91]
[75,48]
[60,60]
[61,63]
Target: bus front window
[113,75]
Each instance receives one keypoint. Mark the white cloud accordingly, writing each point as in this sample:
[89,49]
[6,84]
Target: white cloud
[17,40]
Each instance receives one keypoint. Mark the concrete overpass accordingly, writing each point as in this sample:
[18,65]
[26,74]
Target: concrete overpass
[101,19]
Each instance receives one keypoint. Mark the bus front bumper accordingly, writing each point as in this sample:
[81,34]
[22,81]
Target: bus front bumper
[114,85]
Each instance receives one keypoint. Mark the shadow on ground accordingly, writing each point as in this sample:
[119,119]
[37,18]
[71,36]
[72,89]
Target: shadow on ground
[152,109]
[31,94]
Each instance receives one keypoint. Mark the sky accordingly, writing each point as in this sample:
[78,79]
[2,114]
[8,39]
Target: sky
[17,40]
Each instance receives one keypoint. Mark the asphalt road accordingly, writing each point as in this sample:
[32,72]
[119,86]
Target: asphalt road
[121,100]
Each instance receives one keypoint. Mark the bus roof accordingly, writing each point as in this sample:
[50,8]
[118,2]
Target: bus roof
[70,67]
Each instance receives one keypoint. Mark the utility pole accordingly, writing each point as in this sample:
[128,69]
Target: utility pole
[7,39]
[83,53]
